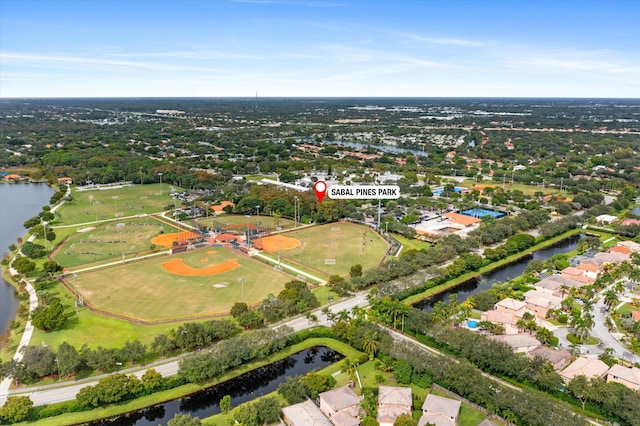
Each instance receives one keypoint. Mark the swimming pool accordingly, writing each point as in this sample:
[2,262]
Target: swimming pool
[482,213]
[440,191]
[472,323]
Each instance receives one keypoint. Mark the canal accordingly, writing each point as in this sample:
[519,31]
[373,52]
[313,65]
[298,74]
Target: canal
[505,273]
[246,387]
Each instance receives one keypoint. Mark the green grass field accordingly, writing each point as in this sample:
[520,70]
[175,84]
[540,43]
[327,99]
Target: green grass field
[108,240]
[89,205]
[146,291]
[411,244]
[234,219]
[345,243]
[95,329]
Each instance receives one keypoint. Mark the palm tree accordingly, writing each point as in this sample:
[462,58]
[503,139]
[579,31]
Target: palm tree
[370,344]
[611,298]
[544,335]
[521,324]
[587,307]
[439,313]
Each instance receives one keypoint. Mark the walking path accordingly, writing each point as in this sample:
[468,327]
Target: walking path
[33,304]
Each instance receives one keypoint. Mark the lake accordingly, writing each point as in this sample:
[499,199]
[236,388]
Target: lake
[18,202]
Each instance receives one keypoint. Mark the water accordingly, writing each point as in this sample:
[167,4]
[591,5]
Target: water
[510,271]
[18,202]
[636,211]
[243,388]
[385,148]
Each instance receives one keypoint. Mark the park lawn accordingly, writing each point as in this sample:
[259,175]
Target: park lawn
[323,293]
[89,206]
[526,189]
[94,329]
[107,241]
[144,290]
[345,243]
[411,244]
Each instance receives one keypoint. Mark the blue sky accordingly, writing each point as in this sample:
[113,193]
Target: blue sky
[517,48]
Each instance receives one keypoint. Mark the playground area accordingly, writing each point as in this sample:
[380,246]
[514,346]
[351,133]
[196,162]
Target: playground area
[202,282]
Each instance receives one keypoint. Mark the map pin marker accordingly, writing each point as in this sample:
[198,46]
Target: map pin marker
[320,188]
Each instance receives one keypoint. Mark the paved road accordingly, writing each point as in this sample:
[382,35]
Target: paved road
[68,390]
[600,332]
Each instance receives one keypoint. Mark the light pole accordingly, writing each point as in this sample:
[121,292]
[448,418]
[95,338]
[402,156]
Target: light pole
[160,174]
[257,210]
[115,198]
[120,226]
[242,284]
[87,182]
[59,375]
[295,211]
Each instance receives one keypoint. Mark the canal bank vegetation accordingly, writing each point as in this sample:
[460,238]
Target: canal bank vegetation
[73,412]
[433,286]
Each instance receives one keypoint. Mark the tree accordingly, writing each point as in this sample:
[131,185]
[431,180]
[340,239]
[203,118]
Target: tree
[226,404]
[238,309]
[405,420]
[184,420]
[293,390]
[23,265]
[544,335]
[151,379]
[51,267]
[317,383]
[250,318]
[16,409]
[162,344]
[370,344]
[40,361]
[69,360]
[133,351]
[50,317]
[355,271]
[268,410]
[579,387]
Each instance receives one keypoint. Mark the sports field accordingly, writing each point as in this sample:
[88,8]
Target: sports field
[331,249]
[241,222]
[100,204]
[108,240]
[199,282]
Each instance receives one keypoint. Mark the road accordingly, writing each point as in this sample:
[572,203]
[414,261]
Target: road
[68,390]
[600,332]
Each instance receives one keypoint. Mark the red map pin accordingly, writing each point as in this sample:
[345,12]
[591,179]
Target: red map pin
[320,188]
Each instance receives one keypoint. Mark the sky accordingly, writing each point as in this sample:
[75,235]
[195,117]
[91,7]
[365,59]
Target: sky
[319,48]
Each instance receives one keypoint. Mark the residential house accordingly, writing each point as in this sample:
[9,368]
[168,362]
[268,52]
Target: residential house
[341,406]
[392,403]
[588,367]
[439,411]
[304,414]
[606,219]
[65,181]
[540,302]
[559,358]
[521,342]
[507,311]
[628,376]
[578,275]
